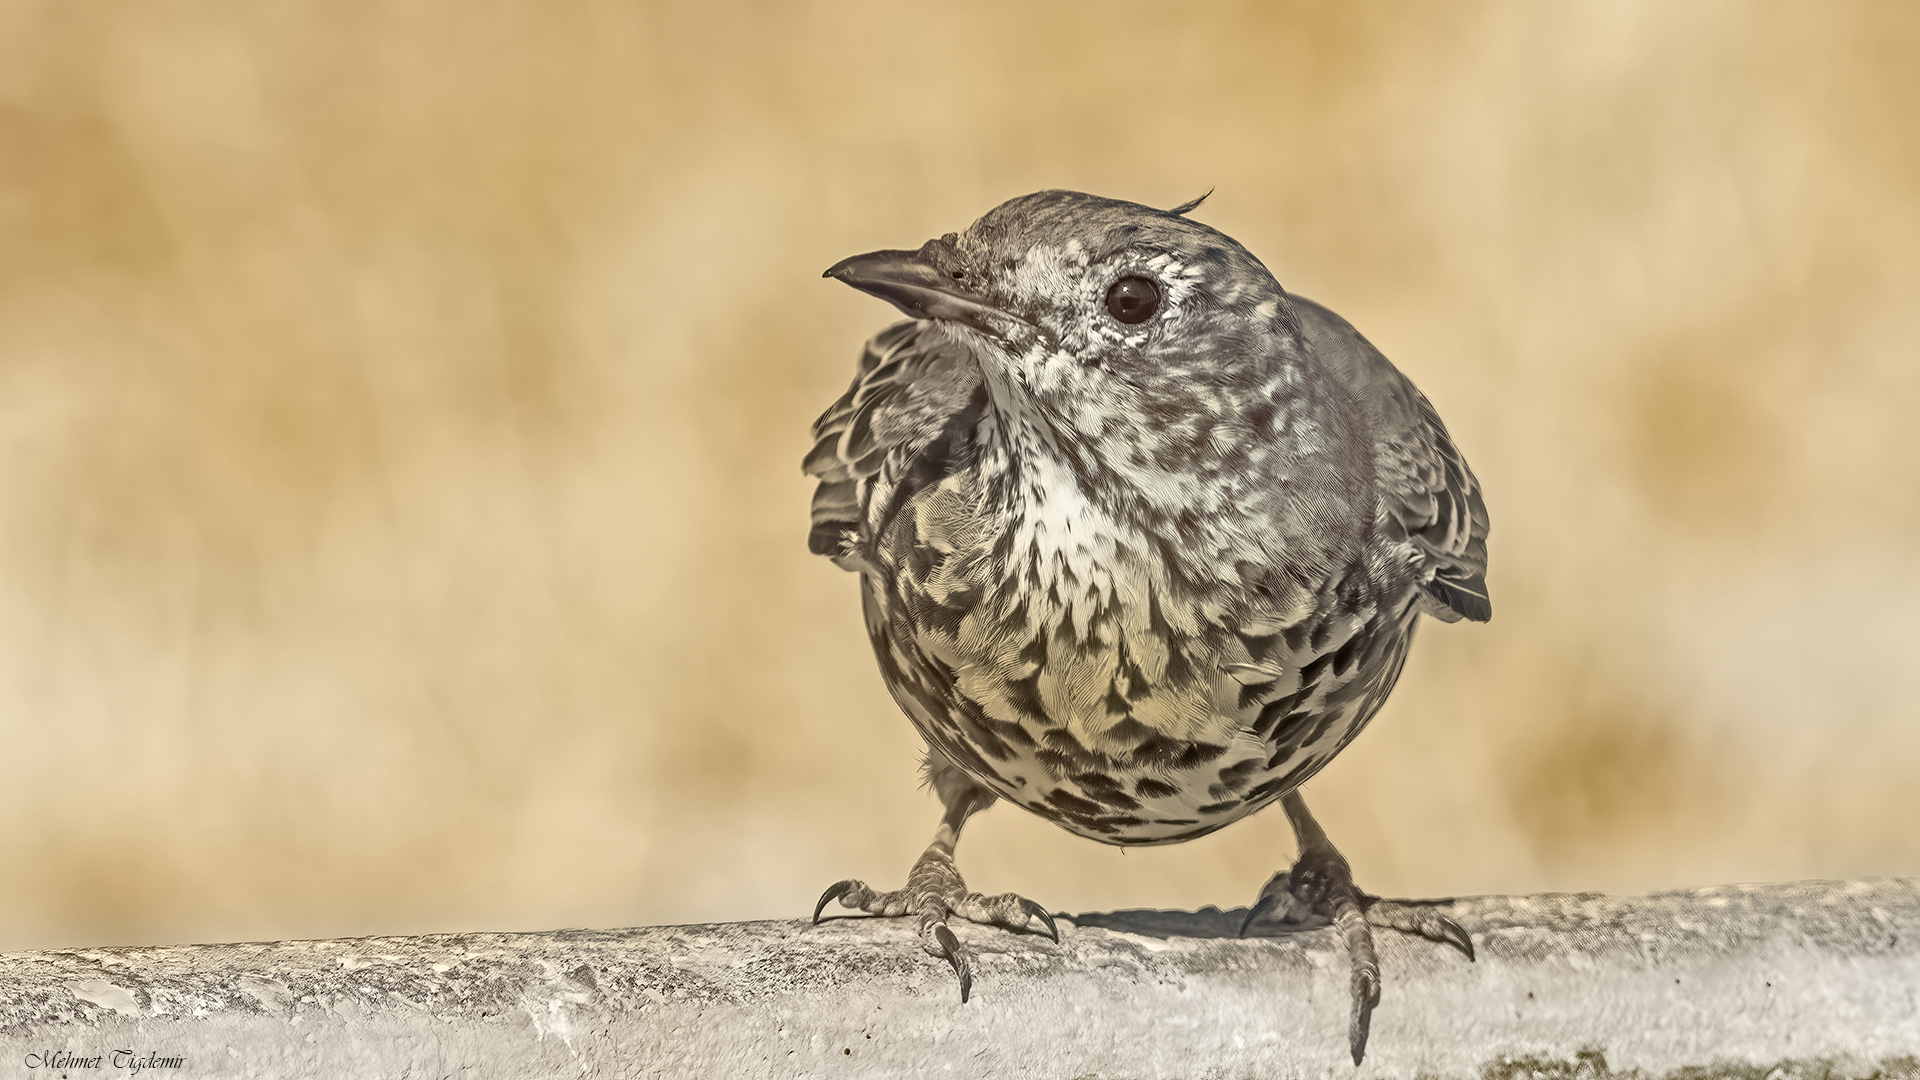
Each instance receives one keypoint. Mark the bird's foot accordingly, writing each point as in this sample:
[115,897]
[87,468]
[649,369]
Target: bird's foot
[1422,918]
[935,892]
[1319,891]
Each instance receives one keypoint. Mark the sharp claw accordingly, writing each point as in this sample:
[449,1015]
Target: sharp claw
[834,892]
[951,945]
[1366,994]
[1457,936]
[1260,907]
[1040,913]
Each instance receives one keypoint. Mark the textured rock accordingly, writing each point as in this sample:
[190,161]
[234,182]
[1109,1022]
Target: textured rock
[1815,979]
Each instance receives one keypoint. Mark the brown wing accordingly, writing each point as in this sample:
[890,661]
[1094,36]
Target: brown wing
[1429,498]
[898,429]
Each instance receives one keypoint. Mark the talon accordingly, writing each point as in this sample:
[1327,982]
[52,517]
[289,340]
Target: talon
[1260,907]
[1040,913]
[1456,936]
[1366,994]
[834,892]
[951,945]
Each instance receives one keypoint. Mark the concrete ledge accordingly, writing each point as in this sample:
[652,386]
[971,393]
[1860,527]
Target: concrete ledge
[1762,982]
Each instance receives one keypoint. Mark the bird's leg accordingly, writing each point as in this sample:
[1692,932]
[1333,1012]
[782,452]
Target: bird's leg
[1319,890]
[935,891]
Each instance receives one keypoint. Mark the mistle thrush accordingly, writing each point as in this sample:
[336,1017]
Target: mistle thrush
[1142,540]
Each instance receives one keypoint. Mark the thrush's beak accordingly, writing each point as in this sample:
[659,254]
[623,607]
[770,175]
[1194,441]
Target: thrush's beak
[912,282]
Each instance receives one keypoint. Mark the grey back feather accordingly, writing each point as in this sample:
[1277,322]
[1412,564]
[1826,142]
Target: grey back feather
[1429,498]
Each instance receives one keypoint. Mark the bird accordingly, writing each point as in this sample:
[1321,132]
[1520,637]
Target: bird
[1142,540]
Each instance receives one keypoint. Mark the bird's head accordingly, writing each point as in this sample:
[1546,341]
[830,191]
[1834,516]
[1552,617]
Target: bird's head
[1104,314]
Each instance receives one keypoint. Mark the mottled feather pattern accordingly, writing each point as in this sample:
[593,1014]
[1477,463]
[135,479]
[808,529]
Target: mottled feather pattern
[910,386]
[1429,497]
[1142,590]
[1105,691]
[1142,543]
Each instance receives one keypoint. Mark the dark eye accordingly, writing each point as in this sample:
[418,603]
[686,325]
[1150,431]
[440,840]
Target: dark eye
[1133,299]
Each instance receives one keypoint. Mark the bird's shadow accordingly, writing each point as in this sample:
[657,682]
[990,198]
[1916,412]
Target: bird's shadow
[1208,922]
[1211,922]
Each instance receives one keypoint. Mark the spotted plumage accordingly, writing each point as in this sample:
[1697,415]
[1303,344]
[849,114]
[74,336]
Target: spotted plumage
[1142,539]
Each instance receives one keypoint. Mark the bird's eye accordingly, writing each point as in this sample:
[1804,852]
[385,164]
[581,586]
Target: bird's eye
[1133,299]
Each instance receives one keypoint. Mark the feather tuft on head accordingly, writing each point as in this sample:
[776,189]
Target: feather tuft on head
[1189,206]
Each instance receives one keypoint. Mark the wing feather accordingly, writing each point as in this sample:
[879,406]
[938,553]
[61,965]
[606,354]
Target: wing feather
[1429,498]
[894,429]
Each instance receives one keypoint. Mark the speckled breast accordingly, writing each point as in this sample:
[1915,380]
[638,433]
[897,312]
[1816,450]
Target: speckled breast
[1100,693]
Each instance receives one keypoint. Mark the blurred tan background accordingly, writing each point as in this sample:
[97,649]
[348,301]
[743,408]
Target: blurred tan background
[401,526]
